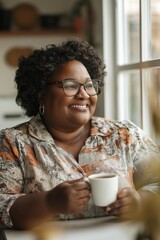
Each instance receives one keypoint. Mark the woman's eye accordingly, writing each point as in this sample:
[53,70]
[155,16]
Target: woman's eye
[70,86]
[89,85]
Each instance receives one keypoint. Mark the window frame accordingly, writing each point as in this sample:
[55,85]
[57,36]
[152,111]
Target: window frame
[110,51]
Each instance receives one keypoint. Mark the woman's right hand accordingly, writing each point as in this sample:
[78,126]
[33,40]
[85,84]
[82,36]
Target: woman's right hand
[69,197]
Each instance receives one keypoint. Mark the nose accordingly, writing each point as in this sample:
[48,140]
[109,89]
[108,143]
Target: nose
[82,93]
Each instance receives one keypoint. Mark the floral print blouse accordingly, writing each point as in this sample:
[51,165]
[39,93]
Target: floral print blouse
[30,161]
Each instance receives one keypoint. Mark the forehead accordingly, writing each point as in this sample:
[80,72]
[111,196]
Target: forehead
[71,69]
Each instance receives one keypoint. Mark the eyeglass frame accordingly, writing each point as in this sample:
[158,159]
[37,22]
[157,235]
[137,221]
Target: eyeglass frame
[60,85]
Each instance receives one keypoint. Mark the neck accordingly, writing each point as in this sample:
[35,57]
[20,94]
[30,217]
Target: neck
[69,136]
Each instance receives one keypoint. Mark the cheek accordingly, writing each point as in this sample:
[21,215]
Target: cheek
[54,110]
[55,102]
[94,100]
[50,102]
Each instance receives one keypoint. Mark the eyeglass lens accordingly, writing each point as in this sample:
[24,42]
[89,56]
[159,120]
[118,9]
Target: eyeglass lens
[71,88]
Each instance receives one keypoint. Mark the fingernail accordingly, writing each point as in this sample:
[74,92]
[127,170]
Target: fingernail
[108,209]
[86,179]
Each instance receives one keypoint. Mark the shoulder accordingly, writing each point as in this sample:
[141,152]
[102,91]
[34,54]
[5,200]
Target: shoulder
[124,124]
[126,131]
[11,134]
[116,125]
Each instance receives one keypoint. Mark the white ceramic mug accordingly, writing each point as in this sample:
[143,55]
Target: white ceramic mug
[104,188]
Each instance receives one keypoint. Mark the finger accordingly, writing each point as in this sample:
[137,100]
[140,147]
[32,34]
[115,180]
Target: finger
[78,186]
[119,203]
[75,180]
[124,192]
[125,201]
[80,205]
[120,211]
[125,214]
[83,201]
[132,197]
[84,193]
[77,205]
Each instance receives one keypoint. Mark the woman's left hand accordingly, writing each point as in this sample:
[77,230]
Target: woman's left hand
[127,205]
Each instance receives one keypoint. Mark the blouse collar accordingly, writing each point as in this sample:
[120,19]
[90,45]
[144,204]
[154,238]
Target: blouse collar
[99,126]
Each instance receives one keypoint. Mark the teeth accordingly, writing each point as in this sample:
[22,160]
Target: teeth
[79,106]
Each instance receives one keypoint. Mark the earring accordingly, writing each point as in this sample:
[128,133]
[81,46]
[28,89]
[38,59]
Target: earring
[41,109]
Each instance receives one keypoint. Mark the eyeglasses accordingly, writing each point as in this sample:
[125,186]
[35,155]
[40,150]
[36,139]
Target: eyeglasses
[71,87]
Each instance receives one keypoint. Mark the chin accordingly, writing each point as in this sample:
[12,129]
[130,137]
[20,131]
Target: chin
[82,120]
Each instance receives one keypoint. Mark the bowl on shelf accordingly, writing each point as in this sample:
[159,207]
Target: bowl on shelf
[13,54]
[25,16]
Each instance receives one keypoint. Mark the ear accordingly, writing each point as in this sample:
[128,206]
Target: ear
[41,97]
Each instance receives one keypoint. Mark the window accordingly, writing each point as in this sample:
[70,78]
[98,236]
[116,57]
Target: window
[137,61]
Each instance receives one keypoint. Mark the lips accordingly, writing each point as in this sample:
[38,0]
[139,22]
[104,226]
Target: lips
[79,107]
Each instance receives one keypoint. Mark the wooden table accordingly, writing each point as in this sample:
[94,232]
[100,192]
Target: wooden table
[105,228]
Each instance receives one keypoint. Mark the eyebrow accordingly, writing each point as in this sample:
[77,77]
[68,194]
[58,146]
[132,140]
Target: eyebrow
[72,79]
[87,79]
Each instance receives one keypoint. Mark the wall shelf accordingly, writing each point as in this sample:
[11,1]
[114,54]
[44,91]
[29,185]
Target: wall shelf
[36,32]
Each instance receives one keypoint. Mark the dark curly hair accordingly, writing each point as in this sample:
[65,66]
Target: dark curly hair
[34,71]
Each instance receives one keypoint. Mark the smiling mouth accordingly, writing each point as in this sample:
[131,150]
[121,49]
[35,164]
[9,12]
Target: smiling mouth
[79,107]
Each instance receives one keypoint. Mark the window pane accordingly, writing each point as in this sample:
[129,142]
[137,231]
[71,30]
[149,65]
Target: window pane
[155,35]
[129,96]
[151,103]
[128,31]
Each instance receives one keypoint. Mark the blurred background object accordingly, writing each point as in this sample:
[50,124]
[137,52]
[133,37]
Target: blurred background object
[49,21]
[5,18]
[14,53]
[154,100]
[151,219]
[83,18]
[25,16]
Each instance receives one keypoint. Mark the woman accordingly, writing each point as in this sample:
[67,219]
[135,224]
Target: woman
[44,161]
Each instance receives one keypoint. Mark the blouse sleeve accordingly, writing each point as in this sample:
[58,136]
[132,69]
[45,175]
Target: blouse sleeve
[146,161]
[11,176]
